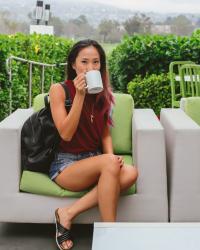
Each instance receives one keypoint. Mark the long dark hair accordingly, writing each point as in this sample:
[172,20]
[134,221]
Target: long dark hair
[105,98]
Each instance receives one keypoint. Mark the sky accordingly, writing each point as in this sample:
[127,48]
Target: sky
[162,6]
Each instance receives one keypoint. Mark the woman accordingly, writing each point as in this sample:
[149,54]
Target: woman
[86,157]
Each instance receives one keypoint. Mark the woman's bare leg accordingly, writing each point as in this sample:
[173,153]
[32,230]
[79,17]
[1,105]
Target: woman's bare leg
[111,180]
[128,176]
[103,170]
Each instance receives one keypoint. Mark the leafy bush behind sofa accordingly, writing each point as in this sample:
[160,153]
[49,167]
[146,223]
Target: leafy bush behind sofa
[41,48]
[150,54]
[135,59]
[152,91]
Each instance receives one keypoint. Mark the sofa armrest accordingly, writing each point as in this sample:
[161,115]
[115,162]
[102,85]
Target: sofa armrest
[149,153]
[182,137]
[10,150]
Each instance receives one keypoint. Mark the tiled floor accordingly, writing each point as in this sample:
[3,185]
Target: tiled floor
[41,236]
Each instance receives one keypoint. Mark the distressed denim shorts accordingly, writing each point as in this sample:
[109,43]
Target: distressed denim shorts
[63,160]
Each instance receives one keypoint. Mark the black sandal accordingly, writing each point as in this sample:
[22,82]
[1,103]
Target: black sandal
[65,233]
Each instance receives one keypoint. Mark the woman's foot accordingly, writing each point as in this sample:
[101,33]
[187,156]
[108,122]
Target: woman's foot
[64,218]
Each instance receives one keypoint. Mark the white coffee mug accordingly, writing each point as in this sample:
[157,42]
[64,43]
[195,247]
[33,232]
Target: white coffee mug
[94,81]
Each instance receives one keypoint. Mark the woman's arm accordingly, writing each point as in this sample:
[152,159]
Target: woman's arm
[107,141]
[67,123]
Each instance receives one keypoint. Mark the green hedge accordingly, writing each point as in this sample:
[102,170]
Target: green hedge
[136,55]
[150,54]
[151,92]
[41,48]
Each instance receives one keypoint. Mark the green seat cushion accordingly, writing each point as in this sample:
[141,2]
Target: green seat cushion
[122,117]
[38,102]
[128,159]
[192,108]
[38,183]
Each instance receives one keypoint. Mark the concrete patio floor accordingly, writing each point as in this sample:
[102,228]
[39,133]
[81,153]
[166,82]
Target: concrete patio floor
[14,236]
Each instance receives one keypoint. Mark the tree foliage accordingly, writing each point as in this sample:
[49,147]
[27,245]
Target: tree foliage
[138,24]
[109,30]
[181,25]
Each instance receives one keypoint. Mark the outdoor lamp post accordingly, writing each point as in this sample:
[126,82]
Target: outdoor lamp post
[46,13]
[42,16]
[39,11]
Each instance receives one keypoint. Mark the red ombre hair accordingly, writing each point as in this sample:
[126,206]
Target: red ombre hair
[104,99]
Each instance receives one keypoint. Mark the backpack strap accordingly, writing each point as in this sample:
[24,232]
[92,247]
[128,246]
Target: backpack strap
[46,101]
[68,100]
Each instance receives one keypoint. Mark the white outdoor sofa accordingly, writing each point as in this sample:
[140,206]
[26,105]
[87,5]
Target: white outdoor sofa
[148,204]
[182,135]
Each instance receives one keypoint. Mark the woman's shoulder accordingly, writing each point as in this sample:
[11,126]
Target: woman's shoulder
[56,91]
[55,87]
[58,85]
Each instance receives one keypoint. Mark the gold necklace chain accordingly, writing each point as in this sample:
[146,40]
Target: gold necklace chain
[91,113]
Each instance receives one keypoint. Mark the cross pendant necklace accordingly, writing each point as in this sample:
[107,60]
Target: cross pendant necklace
[91,113]
[92,116]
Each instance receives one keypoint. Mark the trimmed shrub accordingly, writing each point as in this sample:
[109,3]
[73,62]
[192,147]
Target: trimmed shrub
[150,54]
[153,91]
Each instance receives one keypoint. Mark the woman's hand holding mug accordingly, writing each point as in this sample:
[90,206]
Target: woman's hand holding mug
[80,84]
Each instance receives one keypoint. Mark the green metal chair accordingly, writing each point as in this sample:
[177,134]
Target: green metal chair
[174,71]
[190,80]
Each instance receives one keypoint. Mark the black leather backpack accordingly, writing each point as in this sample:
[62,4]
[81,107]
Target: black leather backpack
[40,138]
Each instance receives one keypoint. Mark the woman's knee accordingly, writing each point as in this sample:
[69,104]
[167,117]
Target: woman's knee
[133,174]
[111,164]
[128,176]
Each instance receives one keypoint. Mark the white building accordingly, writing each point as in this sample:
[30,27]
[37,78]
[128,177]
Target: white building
[160,29]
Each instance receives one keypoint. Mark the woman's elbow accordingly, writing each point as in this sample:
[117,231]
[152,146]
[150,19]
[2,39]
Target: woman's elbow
[65,137]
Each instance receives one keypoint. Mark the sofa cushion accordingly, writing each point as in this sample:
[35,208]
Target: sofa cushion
[38,102]
[191,106]
[122,130]
[122,116]
[39,183]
